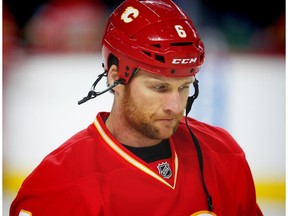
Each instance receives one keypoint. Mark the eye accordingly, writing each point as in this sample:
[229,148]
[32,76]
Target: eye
[161,88]
[185,87]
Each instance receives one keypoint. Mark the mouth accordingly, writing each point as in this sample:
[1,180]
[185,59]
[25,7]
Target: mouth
[169,119]
[166,120]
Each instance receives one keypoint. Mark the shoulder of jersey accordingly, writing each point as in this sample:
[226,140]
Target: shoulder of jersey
[211,138]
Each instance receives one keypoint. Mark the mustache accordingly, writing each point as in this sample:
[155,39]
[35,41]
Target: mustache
[171,116]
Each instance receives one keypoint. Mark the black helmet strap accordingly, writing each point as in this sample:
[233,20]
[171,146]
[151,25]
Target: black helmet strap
[197,144]
[93,94]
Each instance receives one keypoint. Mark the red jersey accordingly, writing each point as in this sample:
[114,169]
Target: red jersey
[93,174]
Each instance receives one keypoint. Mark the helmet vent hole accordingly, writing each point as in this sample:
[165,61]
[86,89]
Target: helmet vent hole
[201,57]
[156,45]
[182,44]
[160,58]
[147,53]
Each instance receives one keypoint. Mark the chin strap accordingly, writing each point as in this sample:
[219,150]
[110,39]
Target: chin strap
[93,94]
[193,97]
[197,144]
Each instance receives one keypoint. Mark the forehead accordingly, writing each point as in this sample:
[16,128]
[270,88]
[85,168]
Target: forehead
[144,75]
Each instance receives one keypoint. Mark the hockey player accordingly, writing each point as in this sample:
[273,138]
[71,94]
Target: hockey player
[145,157]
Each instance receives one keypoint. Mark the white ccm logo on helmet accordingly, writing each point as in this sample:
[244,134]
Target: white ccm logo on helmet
[184,61]
[130,11]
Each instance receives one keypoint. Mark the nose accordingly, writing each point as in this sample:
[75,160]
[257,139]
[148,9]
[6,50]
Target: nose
[172,103]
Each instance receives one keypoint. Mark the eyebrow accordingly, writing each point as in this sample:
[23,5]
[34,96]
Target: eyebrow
[150,77]
[155,79]
[188,82]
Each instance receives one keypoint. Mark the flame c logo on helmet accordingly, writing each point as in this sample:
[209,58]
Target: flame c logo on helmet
[129,14]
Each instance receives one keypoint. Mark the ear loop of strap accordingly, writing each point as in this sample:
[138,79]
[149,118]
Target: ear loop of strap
[93,94]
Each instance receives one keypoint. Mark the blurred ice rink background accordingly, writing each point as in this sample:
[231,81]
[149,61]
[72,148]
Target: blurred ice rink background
[51,57]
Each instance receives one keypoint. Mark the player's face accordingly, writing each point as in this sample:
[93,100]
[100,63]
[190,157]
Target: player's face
[153,105]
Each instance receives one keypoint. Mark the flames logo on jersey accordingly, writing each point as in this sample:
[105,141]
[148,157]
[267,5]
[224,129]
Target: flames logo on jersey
[164,170]
[204,213]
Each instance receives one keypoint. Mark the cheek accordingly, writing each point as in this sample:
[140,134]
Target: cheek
[184,99]
[146,98]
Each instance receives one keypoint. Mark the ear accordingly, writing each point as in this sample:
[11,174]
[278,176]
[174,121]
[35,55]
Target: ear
[112,74]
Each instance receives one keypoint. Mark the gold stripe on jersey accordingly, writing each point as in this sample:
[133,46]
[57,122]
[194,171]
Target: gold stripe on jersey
[132,160]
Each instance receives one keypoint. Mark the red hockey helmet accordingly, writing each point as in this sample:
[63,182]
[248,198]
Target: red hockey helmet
[154,35]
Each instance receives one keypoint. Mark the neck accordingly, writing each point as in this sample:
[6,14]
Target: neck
[122,131]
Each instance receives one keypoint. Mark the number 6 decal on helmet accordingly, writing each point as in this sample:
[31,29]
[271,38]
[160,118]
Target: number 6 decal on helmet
[180,31]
